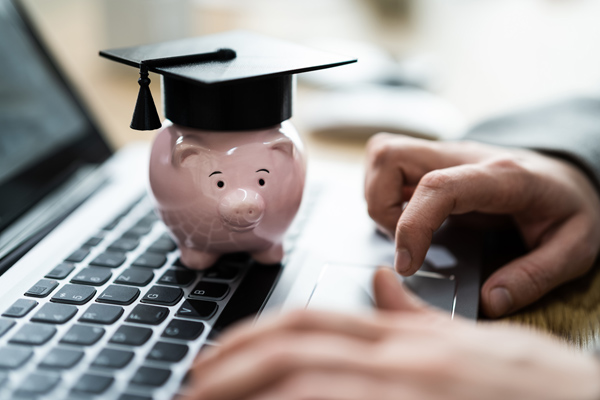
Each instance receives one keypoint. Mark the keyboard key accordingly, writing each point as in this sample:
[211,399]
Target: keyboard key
[83,335]
[210,289]
[144,314]
[168,352]
[179,263]
[101,314]
[92,383]
[177,277]
[163,295]
[138,230]
[150,260]
[78,255]
[221,271]
[94,240]
[125,244]
[184,330]
[37,383]
[61,358]
[112,225]
[74,294]
[12,357]
[109,259]
[237,259]
[197,309]
[163,246]
[61,271]
[5,325]
[116,294]
[149,218]
[131,335]
[51,313]
[20,308]
[249,296]
[149,376]
[92,276]
[128,396]
[42,289]
[3,378]
[33,334]
[114,359]
[135,277]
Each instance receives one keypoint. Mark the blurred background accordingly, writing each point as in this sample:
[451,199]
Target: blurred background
[430,68]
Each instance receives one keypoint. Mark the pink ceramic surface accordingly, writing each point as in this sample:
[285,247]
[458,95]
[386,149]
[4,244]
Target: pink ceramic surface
[225,192]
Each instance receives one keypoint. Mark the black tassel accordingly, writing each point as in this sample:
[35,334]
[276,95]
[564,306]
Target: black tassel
[145,116]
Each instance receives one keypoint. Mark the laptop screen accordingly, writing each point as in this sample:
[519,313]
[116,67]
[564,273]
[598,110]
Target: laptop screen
[44,133]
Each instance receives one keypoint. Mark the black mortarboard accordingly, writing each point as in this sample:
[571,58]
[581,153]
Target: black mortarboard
[228,81]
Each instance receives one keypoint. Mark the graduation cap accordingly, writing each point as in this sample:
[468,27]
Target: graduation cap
[228,81]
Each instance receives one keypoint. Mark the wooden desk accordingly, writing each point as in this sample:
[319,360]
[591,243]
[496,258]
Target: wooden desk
[492,57]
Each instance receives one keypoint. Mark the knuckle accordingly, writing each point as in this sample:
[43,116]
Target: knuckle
[437,180]
[411,230]
[377,138]
[381,152]
[537,275]
[508,163]
[297,318]
[377,213]
[384,148]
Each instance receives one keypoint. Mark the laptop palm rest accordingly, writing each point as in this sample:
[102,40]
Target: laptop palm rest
[348,288]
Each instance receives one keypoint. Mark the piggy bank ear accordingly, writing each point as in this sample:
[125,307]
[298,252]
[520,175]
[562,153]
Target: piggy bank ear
[187,152]
[285,145]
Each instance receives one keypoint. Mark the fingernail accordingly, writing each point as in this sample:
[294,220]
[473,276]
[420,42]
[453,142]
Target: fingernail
[500,301]
[403,260]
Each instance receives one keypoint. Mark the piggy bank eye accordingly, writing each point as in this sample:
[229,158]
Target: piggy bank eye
[261,182]
[220,184]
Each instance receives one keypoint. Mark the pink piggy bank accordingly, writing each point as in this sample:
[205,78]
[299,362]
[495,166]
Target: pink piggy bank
[224,192]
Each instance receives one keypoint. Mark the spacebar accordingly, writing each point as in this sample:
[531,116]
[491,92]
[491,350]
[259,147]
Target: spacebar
[249,298]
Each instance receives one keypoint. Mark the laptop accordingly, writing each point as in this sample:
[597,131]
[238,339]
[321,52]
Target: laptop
[94,301]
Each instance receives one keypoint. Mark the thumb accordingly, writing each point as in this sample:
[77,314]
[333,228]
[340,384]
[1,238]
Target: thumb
[392,295]
[519,283]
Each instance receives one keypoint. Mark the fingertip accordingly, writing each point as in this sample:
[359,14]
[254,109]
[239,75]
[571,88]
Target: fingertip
[496,301]
[403,261]
[387,289]
[392,295]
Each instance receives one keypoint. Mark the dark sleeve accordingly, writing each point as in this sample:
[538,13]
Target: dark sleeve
[569,129]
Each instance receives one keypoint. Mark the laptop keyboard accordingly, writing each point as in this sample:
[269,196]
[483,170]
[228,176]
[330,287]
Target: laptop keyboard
[122,317]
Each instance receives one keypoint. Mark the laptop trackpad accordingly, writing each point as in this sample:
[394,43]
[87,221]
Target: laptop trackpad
[348,288]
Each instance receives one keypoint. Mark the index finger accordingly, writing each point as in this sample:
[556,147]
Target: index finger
[500,186]
[396,163]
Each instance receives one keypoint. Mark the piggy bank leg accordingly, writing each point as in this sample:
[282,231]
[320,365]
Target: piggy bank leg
[196,259]
[272,255]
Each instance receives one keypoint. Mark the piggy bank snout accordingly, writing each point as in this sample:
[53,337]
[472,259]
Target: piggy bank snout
[242,209]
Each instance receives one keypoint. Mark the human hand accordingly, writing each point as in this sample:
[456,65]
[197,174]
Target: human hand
[552,202]
[409,351]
